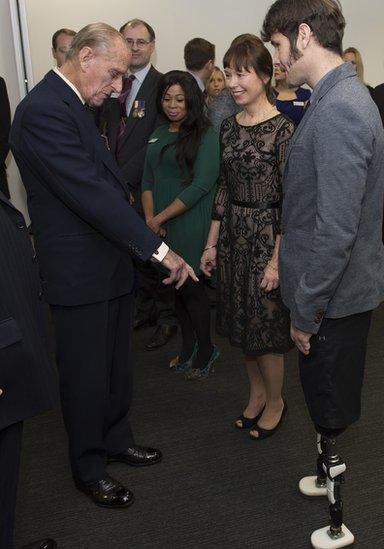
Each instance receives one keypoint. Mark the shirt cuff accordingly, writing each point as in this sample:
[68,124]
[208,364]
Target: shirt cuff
[161,252]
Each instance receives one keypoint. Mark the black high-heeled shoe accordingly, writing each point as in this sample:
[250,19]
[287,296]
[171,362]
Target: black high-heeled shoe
[265,433]
[248,422]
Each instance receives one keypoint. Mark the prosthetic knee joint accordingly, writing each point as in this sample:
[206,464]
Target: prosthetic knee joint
[330,477]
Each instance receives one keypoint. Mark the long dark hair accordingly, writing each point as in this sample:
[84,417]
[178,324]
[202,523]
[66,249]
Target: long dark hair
[192,127]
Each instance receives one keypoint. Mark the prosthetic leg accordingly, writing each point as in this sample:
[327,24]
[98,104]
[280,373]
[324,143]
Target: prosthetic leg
[316,485]
[330,476]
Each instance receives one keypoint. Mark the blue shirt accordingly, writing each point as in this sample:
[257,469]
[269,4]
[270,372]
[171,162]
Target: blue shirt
[294,108]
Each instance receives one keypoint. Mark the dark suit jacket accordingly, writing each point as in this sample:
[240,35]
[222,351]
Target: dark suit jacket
[5,124]
[378,96]
[85,230]
[26,375]
[130,154]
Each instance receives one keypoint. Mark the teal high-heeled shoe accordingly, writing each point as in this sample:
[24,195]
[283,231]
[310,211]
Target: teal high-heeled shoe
[196,373]
[182,367]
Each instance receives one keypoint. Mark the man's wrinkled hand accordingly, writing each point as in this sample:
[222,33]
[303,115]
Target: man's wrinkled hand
[178,269]
[301,339]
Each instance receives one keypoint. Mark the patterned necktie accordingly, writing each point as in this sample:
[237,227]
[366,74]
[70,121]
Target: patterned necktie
[127,85]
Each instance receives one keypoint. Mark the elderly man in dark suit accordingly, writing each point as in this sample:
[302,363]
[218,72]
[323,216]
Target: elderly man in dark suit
[5,124]
[28,384]
[86,234]
[127,123]
[331,255]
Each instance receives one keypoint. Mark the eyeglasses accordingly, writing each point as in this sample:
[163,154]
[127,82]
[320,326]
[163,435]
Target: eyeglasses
[140,43]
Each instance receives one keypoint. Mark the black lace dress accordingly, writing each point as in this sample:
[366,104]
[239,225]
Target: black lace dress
[248,204]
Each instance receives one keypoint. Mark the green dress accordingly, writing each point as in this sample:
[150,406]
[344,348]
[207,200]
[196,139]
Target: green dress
[186,233]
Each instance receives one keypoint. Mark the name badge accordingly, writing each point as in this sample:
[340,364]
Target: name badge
[138,109]
[298,103]
[153,140]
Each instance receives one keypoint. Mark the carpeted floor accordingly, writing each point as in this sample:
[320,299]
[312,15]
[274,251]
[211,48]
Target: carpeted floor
[215,488]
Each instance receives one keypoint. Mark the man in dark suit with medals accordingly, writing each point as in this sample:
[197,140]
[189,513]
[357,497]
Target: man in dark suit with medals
[86,234]
[127,123]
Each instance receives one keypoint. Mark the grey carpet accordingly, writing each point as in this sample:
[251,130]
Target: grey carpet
[215,488]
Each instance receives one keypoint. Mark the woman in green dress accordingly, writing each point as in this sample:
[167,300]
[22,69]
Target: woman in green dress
[178,187]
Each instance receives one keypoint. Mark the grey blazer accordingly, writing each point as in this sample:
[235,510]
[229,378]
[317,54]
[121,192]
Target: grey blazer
[222,107]
[332,256]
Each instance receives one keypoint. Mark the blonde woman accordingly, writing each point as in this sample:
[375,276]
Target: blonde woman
[215,84]
[354,56]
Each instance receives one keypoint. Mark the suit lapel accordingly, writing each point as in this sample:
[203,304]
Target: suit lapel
[7,202]
[324,86]
[110,124]
[110,163]
[84,117]
[105,155]
[300,128]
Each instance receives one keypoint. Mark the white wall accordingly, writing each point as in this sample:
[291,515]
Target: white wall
[8,72]
[177,21]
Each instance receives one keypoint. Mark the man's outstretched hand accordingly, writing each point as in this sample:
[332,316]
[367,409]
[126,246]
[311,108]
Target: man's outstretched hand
[178,269]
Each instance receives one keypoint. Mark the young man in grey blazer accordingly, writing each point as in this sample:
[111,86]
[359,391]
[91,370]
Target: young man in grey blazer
[331,255]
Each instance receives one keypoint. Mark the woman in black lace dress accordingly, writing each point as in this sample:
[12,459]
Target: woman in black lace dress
[244,235]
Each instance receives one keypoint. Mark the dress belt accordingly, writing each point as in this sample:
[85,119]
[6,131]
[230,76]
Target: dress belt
[258,205]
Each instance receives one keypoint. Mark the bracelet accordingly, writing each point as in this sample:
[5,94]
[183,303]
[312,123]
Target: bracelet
[209,247]
[272,267]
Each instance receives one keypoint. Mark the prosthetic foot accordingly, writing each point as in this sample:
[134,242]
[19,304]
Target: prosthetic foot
[316,485]
[336,534]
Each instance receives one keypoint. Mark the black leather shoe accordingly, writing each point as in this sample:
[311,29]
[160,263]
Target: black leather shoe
[162,335]
[107,492]
[139,323]
[41,544]
[138,456]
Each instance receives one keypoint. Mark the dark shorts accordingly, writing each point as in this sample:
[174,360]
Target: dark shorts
[332,374]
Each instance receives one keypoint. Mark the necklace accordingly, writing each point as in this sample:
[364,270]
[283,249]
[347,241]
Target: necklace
[249,120]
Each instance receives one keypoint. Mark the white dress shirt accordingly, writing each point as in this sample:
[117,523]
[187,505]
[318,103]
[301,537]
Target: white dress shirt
[136,84]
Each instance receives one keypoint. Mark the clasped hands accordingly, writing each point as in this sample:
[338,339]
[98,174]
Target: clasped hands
[154,224]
